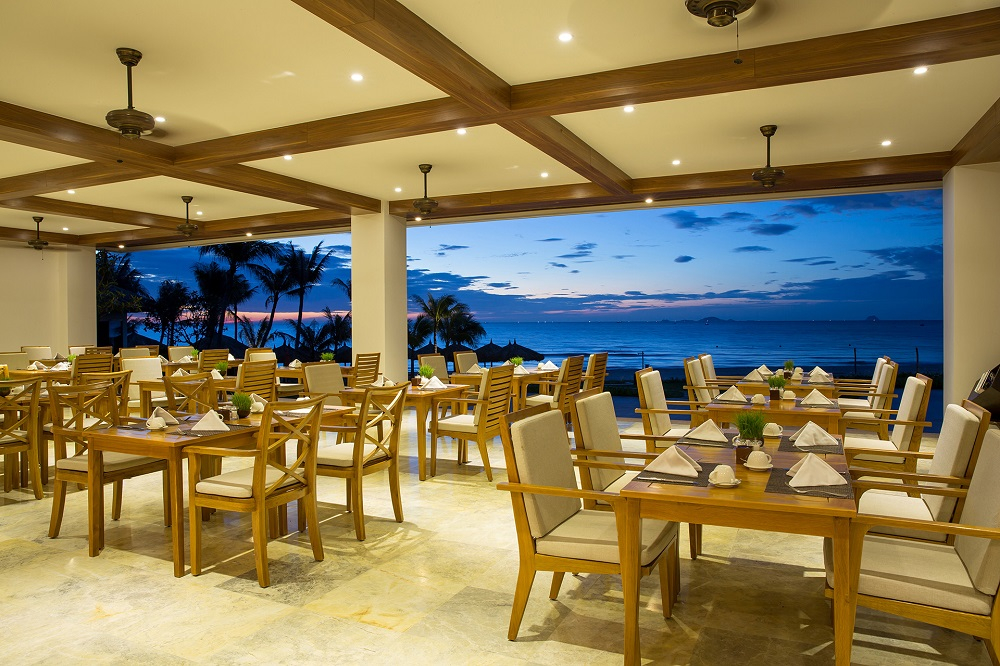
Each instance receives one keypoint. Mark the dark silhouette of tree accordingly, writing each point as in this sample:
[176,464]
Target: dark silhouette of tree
[304,273]
[165,311]
[274,282]
[119,289]
[240,291]
[461,328]
[345,286]
[211,279]
[451,319]
[237,256]
[338,328]
[418,329]
[437,310]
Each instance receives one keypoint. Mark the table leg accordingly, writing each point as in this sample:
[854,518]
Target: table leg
[176,471]
[95,501]
[629,557]
[145,402]
[845,586]
[421,408]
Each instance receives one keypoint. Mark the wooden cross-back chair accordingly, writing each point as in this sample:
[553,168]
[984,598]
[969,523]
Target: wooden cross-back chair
[482,425]
[366,369]
[208,358]
[194,393]
[120,382]
[19,430]
[596,372]
[373,446]
[76,411]
[257,377]
[566,385]
[266,485]
[88,363]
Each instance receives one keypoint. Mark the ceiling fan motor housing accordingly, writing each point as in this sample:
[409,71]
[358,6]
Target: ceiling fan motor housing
[719,13]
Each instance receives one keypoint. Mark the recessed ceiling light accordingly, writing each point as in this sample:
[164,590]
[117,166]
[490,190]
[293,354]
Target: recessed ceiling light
[199,213]
[887,143]
[65,228]
[357,77]
[920,70]
[649,200]
[160,119]
[121,247]
[70,191]
[461,130]
[418,218]
[399,189]
[249,234]
[545,174]
[629,109]
[565,37]
[676,162]
[288,158]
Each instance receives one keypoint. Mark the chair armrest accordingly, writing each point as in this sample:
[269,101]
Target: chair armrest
[908,476]
[915,455]
[904,422]
[468,401]
[219,451]
[599,464]
[867,521]
[860,487]
[638,437]
[611,498]
[613,453]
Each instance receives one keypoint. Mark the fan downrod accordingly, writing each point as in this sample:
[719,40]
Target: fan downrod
[37,243]
[130,122]
[187,228]
[768,176]
[425,205]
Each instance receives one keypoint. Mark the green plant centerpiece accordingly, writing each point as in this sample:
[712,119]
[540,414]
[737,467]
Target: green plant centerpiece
[222,366]
[751,424]
[425,372]
[776,384]
[71,358]
[242,403]
[326,357]
[194,353]
[789,367]
[517,360]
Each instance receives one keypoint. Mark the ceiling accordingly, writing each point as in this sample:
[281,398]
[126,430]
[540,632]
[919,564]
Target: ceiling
[242,88]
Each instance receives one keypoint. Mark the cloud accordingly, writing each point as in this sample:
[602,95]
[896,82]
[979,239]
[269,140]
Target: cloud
[555,264]
[581,250]
[805,260]
[924,259]
[621,256]
[444,249]
[796,210]
[574,271]
[688,219]
[683,259]
[548,240]
[752,248]
[822,262]
[771,229]
[498,285]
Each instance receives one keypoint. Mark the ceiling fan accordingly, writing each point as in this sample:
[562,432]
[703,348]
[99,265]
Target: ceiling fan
[425,206]
[769,175]
[130,122]
[37,243]
[187,228]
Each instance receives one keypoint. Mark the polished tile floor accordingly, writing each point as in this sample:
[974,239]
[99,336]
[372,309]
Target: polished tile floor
[435,589]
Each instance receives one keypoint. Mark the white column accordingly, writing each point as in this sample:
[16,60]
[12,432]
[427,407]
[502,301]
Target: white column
[971,276]
[378,286]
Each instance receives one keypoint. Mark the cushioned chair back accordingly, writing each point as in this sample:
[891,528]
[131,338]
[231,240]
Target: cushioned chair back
[696,379]
[14,360]
[708,367]
[495,390]
[257,377]
[651,397]
[599,430]
[982,556]
[438,363]
[76,350]
[952,455]
[179,352]
[260,354]
[36,353]
[465,360]
[540,448]
[879,362]
[570,376]
[597,369]
[886,384]
[366,369]
[912,407]
[323,377]
[142,369]
[133,352]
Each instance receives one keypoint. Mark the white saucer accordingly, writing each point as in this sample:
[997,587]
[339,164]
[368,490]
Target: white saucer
[759,469]
[727,485]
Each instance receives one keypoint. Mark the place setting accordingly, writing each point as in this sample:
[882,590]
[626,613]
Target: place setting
[811,438]
[810,476]
[708,434]
[816,399]
[677,467]
[732,395]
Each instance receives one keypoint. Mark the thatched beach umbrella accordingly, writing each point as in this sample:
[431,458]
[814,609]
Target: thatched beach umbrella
[343,355]
[490,353]
[513,349]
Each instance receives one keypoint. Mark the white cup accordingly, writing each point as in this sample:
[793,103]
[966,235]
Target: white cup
[722,475]
[757,399]
[772,430]
[758,459]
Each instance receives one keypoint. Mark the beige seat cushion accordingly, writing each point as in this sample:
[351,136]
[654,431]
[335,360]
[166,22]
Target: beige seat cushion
[342,455]
[16,435]
[634,429]
[858,416]
[540,399]
[618,484]
[113,462]
[592,535]
[464,423]
[914,571]
[860,403]
[239,483]
[852,442]
[898,505]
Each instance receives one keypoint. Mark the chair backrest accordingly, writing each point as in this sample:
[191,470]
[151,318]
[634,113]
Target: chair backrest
[178,352]
[708,367]
[93,349]
[596,427]
[14,360]
[912,407]
[597,370]
[257,377]
[651,396]
[119,381]
[76,350]
[19,405]
[154,349]
[133,352]
[77,409]
[142,369]
[982,556]
[380,424]
[697,391]
[494,389]
[570,376]
[886,385]
[208,358]
[536,448]
[194,393]
[879,363]
[323,378]
[366,368]
[465,360]
[87,363]
[260,354]
[437,362]
[35,353]
[275,434]
[962,433]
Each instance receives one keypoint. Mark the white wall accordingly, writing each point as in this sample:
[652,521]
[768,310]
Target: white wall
[971,276]
[48,298]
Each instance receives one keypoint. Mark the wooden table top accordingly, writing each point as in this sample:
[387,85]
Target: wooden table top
[774,407]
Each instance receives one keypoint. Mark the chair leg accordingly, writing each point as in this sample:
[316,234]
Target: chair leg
[434,452]
[525,577]
[166,499]
[667,579]
[194,517]
[259,521]
[300,509]
[397,500]
[116,504]
[486,459]
[8,472]
[58,504]
[349,490]
[36,472]
[312,520]
[359,509]
[694,540]
[557,579]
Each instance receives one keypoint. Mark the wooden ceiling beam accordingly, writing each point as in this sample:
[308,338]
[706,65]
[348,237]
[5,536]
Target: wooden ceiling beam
[47,206]
[981,144]
[64,178]
[9,233]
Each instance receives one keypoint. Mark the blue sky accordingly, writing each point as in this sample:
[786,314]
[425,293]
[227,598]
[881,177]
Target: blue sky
[843,257]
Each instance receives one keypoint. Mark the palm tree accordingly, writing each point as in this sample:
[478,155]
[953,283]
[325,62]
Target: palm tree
[237,256]
[417,330]
[274,282]
[461,328]
[211,279]
[338,328]
[240,291]
[345,286]
[257,336]
[119,288]
[315,339]
[164,311]
[304,272]
[437,310]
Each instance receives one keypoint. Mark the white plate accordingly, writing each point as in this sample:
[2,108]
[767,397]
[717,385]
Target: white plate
[727,485]
[759,469]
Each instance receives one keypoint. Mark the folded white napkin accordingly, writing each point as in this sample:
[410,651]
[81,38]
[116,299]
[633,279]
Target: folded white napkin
[216,374]
[788,395]
[155,423]
[772,429]
[506,362]
[520,370]
[167,417]
[383,381]
[210,422]
[180,373]
[296,363]
[118,355]
[764,371]
[811,435]
[549,365]
[814,471]
[163,359]
[475,369]
[423,380]
[61,365]
[754,376]
[707,431]
[820,376]
[256,403]
[816,398]
[185,359]
[674,461]
[732,394]
[230,357]
[758,399]
[37,365]
[59,357]
[434,383]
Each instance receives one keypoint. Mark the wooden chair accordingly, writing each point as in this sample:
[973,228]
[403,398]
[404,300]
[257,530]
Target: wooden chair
[872,410]
[657,428]
[596,372]
[37,353]
[76,350]
[209,358]
[373,447]
[437,362]
[482,425]
[366,369]
[711,377]
[951,584]
[194,393]
[554,533]
[106,349]
[865,384]
[266,485]
[154,349]
[257,377]
[465,360]
[19,430]
[134,352]
[14,360]
[119,381]
[907,430]
[699,392]
[88,363]
[76,411]
[176,353]
[144,369]
[953,463]
[564,387]
[326,379]
[259,354]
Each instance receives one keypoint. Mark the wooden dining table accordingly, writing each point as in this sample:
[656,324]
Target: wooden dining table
[747,506]
[519,383]
[800,389]
[147,387]
[782,412]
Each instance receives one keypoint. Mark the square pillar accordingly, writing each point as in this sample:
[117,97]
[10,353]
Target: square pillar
[970,200]
[378,284]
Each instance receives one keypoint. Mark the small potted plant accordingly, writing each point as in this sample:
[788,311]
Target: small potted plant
[789,367]
[242,403]
[425,372]
[71,358]
[326,357]
[776,384]
[222,367]
[750,424]
[194,353]
[517,360]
